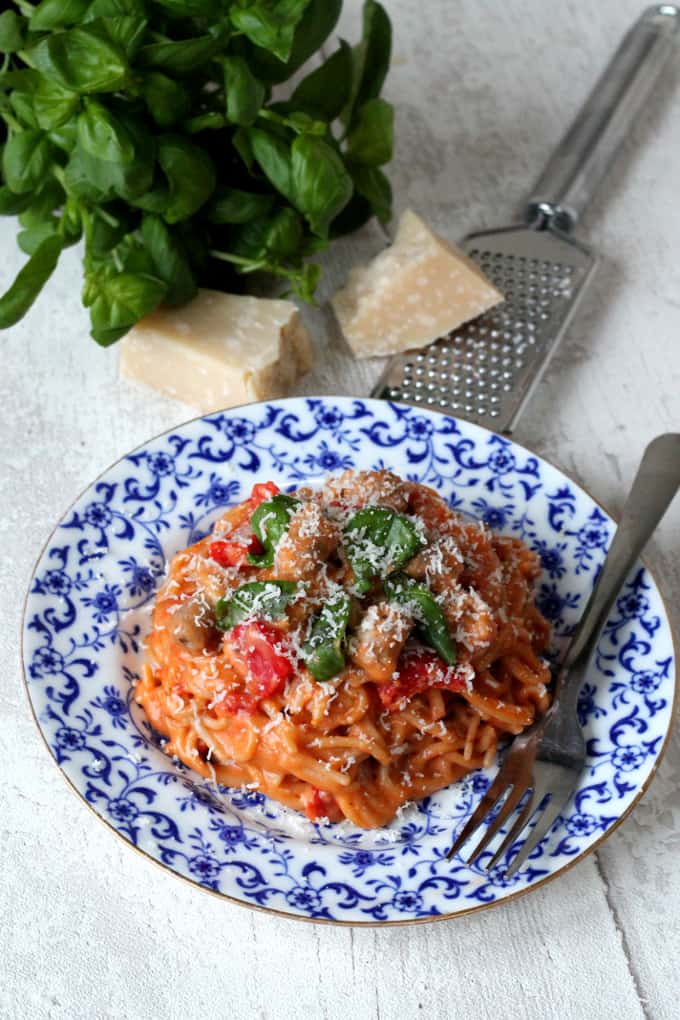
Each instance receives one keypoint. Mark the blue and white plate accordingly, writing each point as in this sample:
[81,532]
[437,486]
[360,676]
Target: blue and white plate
[88,611]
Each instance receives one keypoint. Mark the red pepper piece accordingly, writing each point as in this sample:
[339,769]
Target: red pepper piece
[262,492]
[254,653]
[227,554]
[321,804]
[418,670]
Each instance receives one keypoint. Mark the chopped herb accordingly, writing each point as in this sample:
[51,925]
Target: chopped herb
[324,649]
[377,542]
[270,523]
[432,626]
[262,600]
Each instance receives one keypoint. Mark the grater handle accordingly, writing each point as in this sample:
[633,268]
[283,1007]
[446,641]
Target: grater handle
[586,152]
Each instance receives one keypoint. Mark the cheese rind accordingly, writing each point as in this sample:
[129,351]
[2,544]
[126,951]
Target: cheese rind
[418,289]
[219,350]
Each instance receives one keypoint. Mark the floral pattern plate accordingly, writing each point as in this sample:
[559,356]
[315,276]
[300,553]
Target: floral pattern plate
[88,610]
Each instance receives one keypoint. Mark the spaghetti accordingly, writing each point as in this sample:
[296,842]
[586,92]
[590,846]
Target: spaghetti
[345,650]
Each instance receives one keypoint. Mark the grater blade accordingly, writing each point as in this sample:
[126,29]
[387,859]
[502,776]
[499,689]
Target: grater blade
[486,370]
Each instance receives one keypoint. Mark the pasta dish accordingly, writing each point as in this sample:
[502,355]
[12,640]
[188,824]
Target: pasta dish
[345,650]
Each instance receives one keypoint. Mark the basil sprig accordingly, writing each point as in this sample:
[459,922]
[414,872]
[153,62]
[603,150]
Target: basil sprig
[432,626]
[324,648]
[116,111]
[259,599]
[378,541]
[270,523]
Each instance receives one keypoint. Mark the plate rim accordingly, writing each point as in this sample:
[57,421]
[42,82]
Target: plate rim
[340,922]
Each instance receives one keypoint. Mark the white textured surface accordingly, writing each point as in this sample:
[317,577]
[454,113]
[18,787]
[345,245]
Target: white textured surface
[89,929]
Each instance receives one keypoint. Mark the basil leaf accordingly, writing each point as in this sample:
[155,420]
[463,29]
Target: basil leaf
[80,60]
[191,8]
[57,14]
[370,58]
[22,106]
[259,600]
[167,101]
[30,280]
[30,239]
[378,541]
[270,25]
[65,136]
[170,261]
[118,302]
[326,91]
[126,32]
[371,139]
[181,57]
[372,185]
[12,32]
[270,523]
[244,93]
[129,180]
[53,104]
[42,203]
[117,9]
[235,206]
[278,236]
[103,136]
[190,175]
[103,235]
[321,185]
[84,179]
[11,204]
[27,160]
[274,156]
[433,628]
[324,649]
[317,23]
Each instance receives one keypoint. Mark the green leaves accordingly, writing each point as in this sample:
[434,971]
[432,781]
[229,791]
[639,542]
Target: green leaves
[236,206]
[274,156]
[326,91]
[52,14]
[244,92]
[12,32]
[378,541]
[167,100]
[270,24]
[103,135]
[324,648]
[170,261]
[149,127]
[181,57]
[26,160]
[190,175]
[419,600]
[30,280]
[53,105]
[371,139]
[81,61]
[321,185]
[260,600]
[270,523]
[117,302]
[370,58]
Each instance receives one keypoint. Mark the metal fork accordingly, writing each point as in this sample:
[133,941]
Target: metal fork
[542,766]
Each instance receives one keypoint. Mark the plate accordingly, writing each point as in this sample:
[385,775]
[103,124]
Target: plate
[88,610]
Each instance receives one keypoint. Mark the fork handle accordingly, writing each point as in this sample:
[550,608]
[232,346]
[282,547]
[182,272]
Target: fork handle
[586,152]
[656,482]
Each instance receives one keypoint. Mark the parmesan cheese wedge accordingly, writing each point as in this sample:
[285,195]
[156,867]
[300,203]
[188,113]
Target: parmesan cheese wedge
[418,289]
[219,350]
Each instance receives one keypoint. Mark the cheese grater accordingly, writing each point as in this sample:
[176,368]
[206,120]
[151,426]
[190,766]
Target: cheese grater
[486,370]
